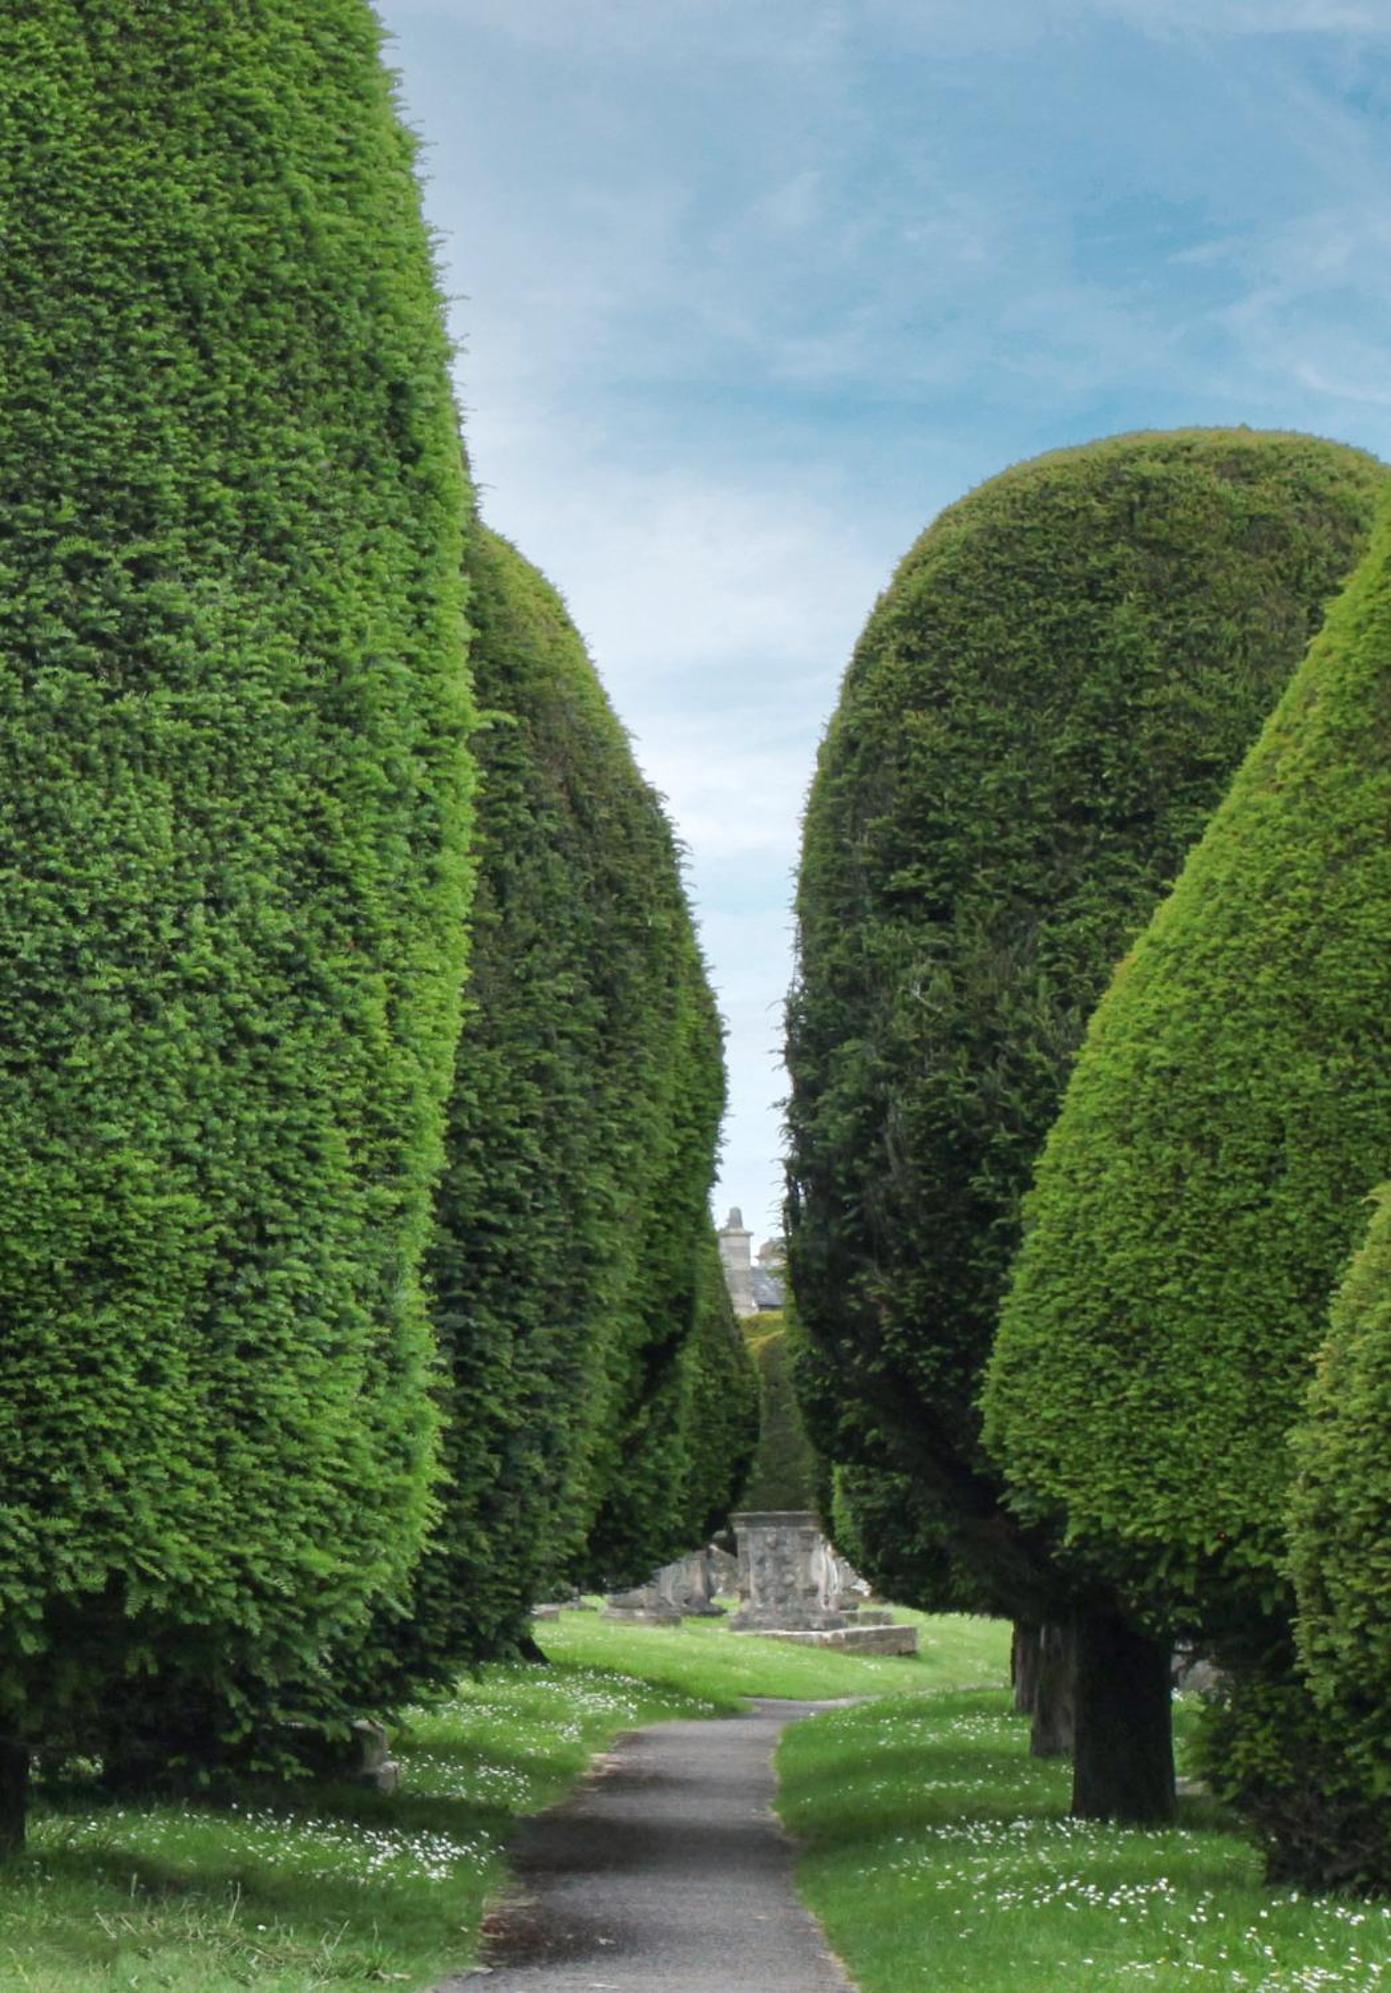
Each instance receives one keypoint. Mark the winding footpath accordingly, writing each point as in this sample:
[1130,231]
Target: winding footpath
[666,1872]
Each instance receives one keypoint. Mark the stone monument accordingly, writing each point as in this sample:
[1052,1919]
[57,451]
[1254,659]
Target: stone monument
[642,1605]
[791,1583]
[736,1256]
[683,1590]
[785,1573]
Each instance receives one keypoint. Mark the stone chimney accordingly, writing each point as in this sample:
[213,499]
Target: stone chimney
[736,1256]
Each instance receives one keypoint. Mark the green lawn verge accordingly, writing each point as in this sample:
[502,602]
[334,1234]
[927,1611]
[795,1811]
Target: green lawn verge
[938,1854]
[328,1888]
[331,1887]
[702,1657]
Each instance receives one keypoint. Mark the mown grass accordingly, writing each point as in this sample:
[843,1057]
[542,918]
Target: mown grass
[331,1887]
[939,1854]
[326,1887]
[702,1657]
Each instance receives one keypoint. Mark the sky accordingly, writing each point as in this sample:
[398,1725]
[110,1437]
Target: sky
[745,291]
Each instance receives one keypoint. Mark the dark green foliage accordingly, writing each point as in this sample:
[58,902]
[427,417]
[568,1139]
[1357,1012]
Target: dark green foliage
[900,1543]
[1044,708]
[1340,1509]
[1268,1750]
[720,1419]
[1339,1524]
[785,1472]
[232,818]
[580,963]
[1204,1184]
[640,1460]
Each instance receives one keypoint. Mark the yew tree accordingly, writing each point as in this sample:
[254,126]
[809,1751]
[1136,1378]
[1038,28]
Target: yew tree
[1205,1181]
[1046,705]
[563,1163]
[232,822]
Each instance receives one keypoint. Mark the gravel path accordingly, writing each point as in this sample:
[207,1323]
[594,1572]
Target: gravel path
[667,1871]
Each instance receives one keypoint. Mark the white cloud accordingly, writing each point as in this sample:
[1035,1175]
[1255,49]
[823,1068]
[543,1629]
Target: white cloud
[959,24]
[735,295]
[677,576]
[619,26]
[814,29]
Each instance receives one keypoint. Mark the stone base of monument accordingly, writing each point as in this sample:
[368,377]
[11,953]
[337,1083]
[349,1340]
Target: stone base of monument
[545,1612]
[681,1590]
[850,1639]
[643,1605]
[751,1619]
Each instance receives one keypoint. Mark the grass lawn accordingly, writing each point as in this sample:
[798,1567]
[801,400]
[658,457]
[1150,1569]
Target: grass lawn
[702,1657]
[336,1888]
[939,1855]
[331,1888]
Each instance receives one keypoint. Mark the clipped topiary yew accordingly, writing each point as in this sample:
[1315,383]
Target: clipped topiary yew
[1340,1512]
[719,1422]
[557,1123]
[1300,1742]
[232,824]
[641,1464]
[784,1472]
[895,1540]
[1044,708]
[1304,1749]
[1205,1180]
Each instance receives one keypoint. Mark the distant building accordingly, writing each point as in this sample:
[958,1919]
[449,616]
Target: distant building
[753,1289]
[770,1274]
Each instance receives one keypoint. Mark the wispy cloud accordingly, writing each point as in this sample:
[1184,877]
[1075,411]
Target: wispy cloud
[749,291]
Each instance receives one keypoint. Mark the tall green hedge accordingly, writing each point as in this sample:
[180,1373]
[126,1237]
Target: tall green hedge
[1301,1744]
[1340,1541]
[232,818]
[1045,706]
[1307,1755]
[899,1542]
[784,1472]
[640,1466]
[1205,1180]
[557,1124]
[719,1422]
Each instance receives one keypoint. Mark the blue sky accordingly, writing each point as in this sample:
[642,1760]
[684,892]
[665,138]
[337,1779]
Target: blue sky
[746,290]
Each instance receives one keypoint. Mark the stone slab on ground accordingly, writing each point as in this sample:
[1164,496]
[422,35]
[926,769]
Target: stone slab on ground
[854,1639]
[667,1872]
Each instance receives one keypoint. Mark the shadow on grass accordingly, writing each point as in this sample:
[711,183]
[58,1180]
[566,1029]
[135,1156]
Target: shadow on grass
[863,1784]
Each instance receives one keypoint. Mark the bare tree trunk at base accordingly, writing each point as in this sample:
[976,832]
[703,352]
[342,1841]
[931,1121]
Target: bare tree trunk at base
[1055,1697]
[14,1796]
[1023,1665]
[1124,1764]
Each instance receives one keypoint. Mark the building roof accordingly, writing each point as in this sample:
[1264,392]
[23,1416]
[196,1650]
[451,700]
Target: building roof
[767,1287]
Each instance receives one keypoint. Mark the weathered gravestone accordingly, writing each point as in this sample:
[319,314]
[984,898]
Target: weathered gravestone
[791,1583]
[785,1573]
[682,1590]
[642,1605]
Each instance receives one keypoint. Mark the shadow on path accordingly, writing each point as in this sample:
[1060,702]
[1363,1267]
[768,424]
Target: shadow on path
[666,1871]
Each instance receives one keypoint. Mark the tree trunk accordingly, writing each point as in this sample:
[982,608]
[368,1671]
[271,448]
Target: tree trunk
[14,1795]
[1023,1665]
[1055,1695]
[1124,1765]
[529,1650]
